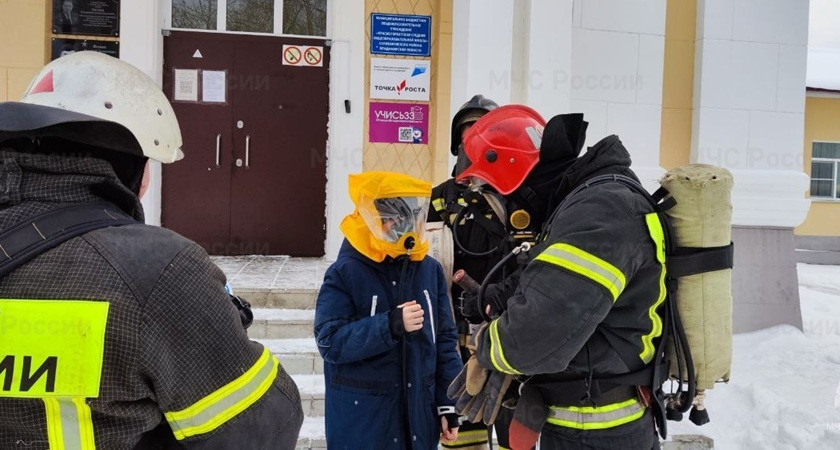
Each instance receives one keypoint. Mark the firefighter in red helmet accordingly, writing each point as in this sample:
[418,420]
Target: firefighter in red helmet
[587,309]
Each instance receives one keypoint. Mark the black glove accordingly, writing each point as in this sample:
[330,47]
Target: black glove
[452,421]
[395,323]
[496,295]
[244,308]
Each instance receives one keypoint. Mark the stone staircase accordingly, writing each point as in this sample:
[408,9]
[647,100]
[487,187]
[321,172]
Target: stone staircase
[285,328]
[282,292]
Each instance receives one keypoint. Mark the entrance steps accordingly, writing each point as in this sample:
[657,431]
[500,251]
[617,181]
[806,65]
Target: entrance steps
[282,292]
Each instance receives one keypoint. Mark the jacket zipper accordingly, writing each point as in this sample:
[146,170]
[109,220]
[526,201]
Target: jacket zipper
[431,315]
[373,305]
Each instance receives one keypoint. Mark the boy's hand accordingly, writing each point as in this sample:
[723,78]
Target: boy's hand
[412,315]
[447,434]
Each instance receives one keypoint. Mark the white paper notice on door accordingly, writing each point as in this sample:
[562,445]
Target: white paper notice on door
[186,85]
[213,86]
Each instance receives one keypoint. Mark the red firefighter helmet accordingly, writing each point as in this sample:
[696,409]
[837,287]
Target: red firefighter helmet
[503,146]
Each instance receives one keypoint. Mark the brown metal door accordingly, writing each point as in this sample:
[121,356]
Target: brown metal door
[195,192]
[278,195]
[273,150]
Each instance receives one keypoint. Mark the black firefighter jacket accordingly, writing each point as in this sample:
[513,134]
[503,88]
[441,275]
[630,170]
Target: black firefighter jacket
[172,368]
[588,300]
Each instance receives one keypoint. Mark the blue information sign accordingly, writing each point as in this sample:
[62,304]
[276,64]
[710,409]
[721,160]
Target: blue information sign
[398,34]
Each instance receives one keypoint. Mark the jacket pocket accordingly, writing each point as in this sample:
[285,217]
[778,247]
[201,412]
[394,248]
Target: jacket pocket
[361,418]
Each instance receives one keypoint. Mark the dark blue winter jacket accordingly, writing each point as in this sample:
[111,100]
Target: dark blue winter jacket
[363,359]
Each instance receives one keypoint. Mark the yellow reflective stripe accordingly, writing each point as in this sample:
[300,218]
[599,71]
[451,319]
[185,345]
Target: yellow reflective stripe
[69,424]
[438,204]
[54,435]
[85,423]
[462,202]
[658,236]
[226,402]
[596,418]
[471,437]
[497,355]
[586,264]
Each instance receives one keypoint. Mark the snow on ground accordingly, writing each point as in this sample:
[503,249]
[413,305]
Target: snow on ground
[784,391]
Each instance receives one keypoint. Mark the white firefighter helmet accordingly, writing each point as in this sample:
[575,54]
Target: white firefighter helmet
[94,99]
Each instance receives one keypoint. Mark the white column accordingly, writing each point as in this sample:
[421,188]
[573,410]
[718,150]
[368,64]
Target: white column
[344,146]
[542,55]
[141,44]
[481,50]
[618,57]
[749,102]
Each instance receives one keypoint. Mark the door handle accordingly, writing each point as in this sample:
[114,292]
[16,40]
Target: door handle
[247,151]
[218,145]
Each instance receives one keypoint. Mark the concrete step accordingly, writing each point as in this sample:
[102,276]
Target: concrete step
[298,356]
[286,298]
[311,389]
[312,434]
[271,323]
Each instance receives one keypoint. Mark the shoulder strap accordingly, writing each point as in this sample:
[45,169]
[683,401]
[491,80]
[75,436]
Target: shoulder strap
[24,241]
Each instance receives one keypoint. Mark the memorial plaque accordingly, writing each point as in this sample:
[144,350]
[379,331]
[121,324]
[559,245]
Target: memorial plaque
[62,47]
[86,17]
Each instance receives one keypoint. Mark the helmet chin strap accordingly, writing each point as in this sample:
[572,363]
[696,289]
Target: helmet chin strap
[496,205]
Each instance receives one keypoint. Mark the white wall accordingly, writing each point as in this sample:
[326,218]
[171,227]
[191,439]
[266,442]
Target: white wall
[141,44]
[344,149]
[541,79]
[481,50]
[618,57]
[512,52]
[603,58]
[749,103]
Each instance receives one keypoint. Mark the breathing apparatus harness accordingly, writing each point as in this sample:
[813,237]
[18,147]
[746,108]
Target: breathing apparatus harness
[680,262]
[35,235]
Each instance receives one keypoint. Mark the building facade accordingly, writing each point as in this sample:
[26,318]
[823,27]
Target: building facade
[680,81]
[818,238]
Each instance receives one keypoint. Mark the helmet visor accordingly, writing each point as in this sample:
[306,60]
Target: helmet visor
[389,219]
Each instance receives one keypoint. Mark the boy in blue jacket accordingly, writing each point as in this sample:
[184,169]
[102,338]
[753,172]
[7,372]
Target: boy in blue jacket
[384,324]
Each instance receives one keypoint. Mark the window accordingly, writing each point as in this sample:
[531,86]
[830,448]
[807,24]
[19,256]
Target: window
[305,17]
[194,14]
[256,16]
[825,170]
[299,17]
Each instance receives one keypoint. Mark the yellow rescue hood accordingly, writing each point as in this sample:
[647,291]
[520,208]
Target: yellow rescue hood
[390,215]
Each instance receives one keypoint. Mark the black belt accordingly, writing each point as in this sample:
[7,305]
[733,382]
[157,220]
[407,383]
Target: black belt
[575,393]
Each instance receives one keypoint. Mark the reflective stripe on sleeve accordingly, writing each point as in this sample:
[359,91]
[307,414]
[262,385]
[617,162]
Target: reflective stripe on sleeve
[497,354]
[216,409]
[586,264]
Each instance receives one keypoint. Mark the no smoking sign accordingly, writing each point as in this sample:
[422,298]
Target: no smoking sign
[303,55]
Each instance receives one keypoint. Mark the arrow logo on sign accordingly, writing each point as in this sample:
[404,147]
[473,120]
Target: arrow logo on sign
[418,70]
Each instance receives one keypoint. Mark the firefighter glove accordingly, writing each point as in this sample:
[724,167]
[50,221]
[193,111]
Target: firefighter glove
[478,392]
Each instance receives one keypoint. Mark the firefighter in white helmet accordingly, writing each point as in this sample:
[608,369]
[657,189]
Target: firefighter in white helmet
[122,337]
